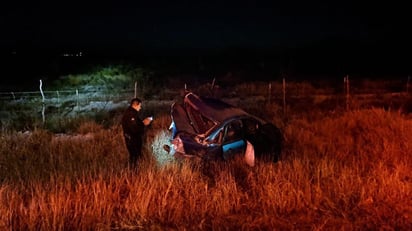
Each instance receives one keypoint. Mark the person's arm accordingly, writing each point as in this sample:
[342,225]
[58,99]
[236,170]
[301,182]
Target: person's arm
[147,120]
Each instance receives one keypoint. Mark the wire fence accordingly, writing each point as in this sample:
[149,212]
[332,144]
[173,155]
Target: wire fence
[64,94]
[282,89]
[71,103]
[76,94]
[271,91]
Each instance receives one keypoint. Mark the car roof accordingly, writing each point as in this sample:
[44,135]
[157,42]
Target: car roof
[213,109]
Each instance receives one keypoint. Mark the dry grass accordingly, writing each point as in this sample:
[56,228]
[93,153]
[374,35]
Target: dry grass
[351,171]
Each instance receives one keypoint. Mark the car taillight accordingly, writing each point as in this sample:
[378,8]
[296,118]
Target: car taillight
[177,145]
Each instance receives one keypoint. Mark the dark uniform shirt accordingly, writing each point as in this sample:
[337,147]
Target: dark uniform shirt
[131,123]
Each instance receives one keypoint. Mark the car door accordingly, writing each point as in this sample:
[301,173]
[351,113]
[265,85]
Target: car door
[233,140]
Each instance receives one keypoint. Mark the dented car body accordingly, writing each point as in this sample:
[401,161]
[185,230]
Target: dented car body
[212,129]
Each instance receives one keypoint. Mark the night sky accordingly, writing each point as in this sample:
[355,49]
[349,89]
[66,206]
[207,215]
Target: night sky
[335,37]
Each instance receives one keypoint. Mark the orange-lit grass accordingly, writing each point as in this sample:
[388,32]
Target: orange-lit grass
[345,172]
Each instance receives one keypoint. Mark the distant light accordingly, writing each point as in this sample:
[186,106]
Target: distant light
[76,54]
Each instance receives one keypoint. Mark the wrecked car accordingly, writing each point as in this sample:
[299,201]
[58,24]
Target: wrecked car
[210,128]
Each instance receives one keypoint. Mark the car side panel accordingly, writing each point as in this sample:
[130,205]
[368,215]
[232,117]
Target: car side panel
[207,151]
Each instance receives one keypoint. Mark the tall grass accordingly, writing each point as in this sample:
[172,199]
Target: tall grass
[351,171]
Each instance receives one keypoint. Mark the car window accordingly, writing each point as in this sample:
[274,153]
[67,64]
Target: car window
[217,138]
[233,131]
[250,126]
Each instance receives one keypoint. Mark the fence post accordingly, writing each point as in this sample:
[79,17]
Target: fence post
[270,91]
[58,102]
[213,85]
[346,88]
[77,99]
[41,90]
[284,96]
[43,104]
[135,89]
[213,82]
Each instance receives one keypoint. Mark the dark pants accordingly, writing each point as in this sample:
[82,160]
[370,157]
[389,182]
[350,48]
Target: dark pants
[134,146]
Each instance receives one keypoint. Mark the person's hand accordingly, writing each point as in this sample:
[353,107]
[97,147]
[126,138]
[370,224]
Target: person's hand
[147,120]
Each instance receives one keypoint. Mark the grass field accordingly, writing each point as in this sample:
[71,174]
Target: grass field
[346,165]
[340,170]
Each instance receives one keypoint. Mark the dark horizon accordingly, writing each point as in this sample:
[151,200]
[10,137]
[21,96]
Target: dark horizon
[324,57]
[261,39]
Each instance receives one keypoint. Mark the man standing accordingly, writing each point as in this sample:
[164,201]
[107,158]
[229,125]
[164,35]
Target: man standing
[133,130]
